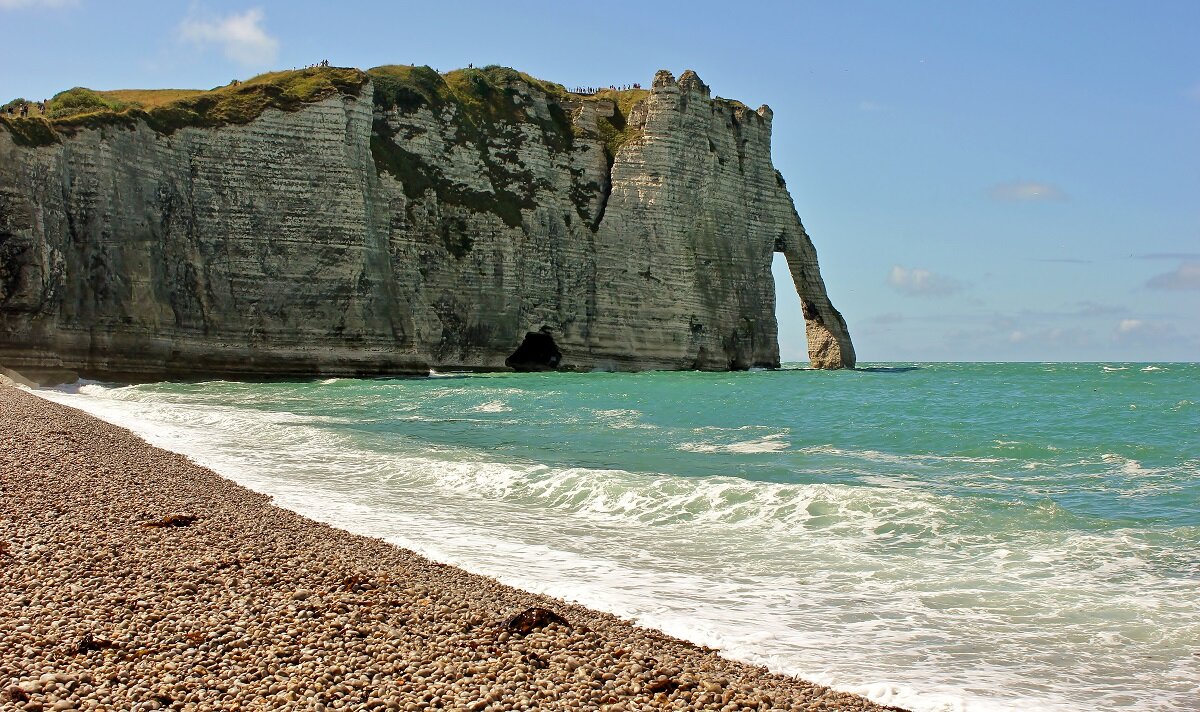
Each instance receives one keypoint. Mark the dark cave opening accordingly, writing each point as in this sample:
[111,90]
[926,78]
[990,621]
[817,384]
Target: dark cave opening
[537,352]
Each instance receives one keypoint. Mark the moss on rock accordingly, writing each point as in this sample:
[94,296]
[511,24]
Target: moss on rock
[616,131]
[476,102]
[166,111]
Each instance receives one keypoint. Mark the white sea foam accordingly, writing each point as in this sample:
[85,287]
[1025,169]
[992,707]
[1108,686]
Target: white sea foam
[622,419]
[1129,466]
[894,459]
[899,594]
[769,443]
[492,407]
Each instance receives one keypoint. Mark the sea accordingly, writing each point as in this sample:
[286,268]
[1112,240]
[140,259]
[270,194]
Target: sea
[938,536]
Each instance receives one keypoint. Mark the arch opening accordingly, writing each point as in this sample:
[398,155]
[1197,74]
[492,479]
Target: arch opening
[789,314]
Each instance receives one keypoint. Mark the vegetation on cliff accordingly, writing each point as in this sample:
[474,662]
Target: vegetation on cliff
[481,97]
[616,130]
[167,110]
[476,101]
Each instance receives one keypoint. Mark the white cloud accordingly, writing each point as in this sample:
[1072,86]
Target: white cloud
[919,282]
[886,319]
[1168,256]
[240,35]
[1096,309]
[1185,276]
[18,4]
[1027,191]
[1134,330]
[1055,336]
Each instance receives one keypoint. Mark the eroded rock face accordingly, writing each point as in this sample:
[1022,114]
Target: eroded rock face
[352,238]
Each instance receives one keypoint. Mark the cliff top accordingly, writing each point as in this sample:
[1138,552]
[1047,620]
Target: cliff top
[480,94]
[166,110]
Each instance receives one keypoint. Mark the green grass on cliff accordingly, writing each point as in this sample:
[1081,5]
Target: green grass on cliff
[616,131]
[483,97]
[480,98]
[479,102]
[167,110]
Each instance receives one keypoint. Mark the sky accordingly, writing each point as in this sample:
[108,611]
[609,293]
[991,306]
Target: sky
[984,181]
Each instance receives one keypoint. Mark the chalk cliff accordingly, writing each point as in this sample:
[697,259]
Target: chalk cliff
[397,220]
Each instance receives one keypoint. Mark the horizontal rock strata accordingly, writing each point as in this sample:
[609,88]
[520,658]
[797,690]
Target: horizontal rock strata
[404,221]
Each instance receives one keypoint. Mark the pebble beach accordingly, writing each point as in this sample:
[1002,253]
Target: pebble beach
[133,579]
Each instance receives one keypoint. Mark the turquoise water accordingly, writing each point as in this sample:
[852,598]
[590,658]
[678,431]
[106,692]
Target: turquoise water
[938,536]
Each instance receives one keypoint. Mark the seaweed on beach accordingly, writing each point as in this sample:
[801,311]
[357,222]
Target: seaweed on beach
[531,619]
[356,584]
[89,643]
[173,520]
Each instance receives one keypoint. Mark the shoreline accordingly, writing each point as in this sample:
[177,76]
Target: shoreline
[253,606]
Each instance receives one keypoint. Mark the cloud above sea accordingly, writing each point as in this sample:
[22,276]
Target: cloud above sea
[1144,330]
[1027,192]
[1184,277]
[240,36]
[19,4]
[1168,256]
[919,282]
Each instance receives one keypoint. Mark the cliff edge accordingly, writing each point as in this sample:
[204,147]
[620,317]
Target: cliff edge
[338,222]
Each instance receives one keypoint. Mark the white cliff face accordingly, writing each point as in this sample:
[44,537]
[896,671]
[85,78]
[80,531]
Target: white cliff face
[246,250]
[355,237]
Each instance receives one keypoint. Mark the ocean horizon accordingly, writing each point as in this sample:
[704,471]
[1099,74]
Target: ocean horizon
[935,535]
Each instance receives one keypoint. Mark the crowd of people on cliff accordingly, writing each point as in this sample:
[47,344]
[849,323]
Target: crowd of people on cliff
[611,87]
[25,108]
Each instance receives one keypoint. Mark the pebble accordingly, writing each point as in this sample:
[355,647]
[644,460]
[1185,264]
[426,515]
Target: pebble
[259,608]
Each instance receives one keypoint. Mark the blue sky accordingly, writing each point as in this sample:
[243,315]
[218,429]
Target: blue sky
[983,180]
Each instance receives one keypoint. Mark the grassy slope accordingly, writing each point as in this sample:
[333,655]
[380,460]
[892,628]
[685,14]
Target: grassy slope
[616,131]
[483,96]
[167,110]
[481,100]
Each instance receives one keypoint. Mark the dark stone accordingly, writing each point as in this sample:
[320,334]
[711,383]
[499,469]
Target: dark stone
[537,352]
[89,643]
[16,694]
[662,684]
[531,619]
[173,520]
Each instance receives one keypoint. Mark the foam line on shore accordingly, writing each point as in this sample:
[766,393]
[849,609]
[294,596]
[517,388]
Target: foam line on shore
[256,603]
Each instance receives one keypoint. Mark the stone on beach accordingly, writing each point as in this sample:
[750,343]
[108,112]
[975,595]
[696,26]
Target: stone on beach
[256,607]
